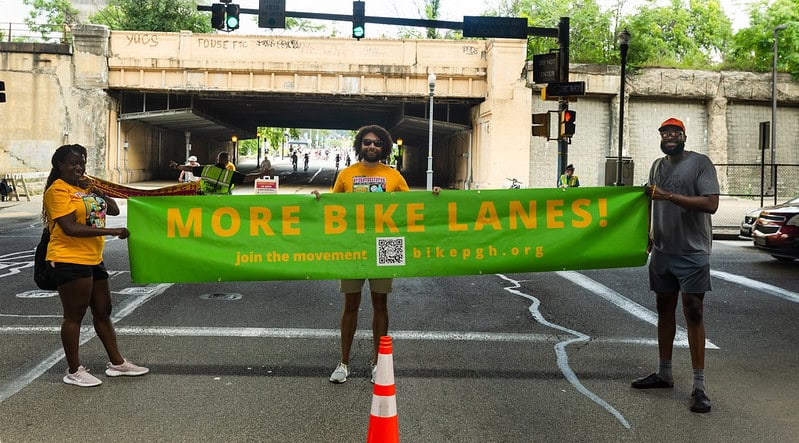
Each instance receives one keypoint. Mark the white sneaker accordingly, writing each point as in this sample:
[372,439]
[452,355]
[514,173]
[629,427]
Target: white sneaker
[340,374]
[81,378]
[374,373]
[126,368]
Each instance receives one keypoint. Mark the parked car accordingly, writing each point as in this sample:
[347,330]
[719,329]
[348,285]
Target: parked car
[776,230]
[748,224]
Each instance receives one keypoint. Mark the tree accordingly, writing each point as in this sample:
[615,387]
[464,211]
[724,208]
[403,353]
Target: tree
[153,15]
[591,40]
[753,47]
[680,35]
[48,16]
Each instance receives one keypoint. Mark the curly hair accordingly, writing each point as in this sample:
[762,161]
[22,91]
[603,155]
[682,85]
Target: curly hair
[381,133]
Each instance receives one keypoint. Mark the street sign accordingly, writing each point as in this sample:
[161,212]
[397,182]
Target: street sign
[565,89]
[497,27]
[545,68]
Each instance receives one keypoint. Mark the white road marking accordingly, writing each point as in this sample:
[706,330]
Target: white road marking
[323,333]
[626,304]
[754,284]
[560,350]
[125,309]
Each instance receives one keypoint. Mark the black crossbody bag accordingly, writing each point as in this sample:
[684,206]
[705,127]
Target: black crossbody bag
[43,272]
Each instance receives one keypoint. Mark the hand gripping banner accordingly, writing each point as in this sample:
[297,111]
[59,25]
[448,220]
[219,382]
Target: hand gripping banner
[368,235]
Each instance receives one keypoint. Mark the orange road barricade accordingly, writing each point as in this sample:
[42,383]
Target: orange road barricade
[383,424]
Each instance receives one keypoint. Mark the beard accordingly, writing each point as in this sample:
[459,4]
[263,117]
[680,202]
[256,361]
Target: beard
[371,155]
[676,150]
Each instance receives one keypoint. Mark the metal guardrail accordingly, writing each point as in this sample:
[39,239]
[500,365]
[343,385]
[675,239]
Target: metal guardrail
[12,32]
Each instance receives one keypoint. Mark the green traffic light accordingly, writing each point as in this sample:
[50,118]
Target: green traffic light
[232,22]
[357,32]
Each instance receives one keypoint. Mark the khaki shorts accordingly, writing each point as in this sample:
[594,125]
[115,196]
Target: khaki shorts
[379,285]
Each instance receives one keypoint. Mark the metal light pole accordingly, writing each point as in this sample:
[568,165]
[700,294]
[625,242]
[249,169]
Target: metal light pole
[259,150]
[431,83]
[774,114]
[285,140]
[624,44]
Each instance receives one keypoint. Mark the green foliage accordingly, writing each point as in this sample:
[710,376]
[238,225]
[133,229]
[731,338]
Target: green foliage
[48,16]
[753,47]
[591,40]
[153,15]
[686,35]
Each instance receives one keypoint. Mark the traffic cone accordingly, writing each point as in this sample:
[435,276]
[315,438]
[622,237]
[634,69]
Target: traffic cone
[383,424]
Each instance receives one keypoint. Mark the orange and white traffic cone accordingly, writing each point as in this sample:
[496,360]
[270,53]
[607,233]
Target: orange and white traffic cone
[383,424]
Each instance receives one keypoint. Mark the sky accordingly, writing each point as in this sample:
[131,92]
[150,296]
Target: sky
[451,10]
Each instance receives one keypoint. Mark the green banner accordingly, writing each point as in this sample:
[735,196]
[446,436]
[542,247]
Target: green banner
[404,234]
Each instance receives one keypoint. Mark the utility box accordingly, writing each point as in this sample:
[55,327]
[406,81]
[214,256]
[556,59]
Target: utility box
[609,168]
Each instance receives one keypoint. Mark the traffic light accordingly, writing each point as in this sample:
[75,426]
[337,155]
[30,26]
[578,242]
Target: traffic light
[567,127]
[272,14]
[358,19]
[218,16]
[232,19]
[541,125]
[2,92]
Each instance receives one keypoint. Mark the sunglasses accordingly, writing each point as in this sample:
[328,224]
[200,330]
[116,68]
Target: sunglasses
[370,142]
[665,134]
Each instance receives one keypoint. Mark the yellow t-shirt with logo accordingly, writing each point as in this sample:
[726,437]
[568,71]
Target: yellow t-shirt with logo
[62,199]
[378,178]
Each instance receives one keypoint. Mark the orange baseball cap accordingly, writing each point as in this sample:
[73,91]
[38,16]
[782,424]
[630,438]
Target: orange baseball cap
[672,122]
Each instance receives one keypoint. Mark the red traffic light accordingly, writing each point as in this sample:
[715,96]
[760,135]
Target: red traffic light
[569,116]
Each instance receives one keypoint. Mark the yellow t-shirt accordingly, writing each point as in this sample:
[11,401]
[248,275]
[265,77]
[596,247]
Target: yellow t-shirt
[62,199]
[378,178]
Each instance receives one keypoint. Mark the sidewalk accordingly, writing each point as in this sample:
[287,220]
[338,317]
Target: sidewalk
[726,221]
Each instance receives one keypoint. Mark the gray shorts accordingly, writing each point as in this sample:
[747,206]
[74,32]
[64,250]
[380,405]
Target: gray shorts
[687,273]
[379,285]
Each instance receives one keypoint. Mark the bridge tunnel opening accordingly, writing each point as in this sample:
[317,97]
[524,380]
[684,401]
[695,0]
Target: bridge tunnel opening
[163,126]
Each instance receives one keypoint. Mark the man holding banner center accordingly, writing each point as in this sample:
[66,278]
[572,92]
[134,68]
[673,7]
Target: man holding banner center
[372,145]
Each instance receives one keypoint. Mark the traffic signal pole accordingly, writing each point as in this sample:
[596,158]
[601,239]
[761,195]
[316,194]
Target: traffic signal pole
[563,102]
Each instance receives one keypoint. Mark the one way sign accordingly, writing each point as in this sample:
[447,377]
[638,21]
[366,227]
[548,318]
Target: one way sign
[565,89]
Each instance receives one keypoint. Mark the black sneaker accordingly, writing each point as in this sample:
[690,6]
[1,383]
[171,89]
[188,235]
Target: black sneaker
[651,381]
[699,401]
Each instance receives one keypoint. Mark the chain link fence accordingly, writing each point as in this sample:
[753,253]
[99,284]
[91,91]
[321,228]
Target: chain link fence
[748,186]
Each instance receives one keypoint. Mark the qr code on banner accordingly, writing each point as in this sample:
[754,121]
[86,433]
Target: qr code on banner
[391,251]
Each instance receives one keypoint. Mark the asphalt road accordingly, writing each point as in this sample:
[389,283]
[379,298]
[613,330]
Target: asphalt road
[534,357]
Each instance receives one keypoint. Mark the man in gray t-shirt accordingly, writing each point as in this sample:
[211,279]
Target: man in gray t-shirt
[684,192]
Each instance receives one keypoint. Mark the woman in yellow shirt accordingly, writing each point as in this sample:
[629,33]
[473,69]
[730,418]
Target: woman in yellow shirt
[75,212]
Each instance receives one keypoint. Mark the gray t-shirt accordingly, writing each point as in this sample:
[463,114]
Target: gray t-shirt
[677,230]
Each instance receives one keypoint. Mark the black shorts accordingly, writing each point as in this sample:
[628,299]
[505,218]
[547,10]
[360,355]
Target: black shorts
[66,272]
[687,273]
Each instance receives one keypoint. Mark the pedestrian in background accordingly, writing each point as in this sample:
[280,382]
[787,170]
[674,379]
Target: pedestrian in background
[568,179]
[188,176]
[684,192]
[372,145]
[75,212]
